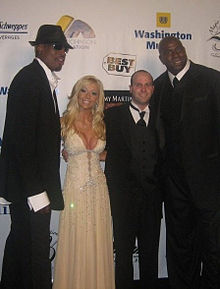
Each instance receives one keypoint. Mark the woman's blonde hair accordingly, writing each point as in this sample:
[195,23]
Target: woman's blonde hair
[72,111]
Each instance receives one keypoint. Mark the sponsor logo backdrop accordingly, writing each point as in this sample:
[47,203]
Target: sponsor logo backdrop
[111,40]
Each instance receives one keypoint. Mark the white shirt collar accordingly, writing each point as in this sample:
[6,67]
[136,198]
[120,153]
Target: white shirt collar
[145,109]
[181,73]
[51,76]
[135,114]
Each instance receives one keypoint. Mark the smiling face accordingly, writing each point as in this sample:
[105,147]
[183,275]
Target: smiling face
[88,96]
[141,88]
[172,54]
[54,59]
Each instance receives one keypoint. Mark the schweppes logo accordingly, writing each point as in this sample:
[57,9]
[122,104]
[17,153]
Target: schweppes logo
[163,19]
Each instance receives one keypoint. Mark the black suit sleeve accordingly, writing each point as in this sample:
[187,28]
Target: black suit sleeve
[23,110]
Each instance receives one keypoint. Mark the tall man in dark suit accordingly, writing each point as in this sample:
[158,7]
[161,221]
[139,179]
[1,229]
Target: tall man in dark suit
[29,163]
[187,97]
[131,169]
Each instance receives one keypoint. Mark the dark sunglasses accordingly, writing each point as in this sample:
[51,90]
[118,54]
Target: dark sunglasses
[59,46]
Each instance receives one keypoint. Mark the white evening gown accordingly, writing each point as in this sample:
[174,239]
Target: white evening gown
[84,258]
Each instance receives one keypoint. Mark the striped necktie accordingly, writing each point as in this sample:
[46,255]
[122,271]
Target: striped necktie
[55,102]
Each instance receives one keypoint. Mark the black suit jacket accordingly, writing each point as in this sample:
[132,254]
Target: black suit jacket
[121,171]
[200,129]
[30,155]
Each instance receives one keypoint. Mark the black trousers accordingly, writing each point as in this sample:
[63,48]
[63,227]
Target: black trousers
[193,238]
[134,217]
[26,263]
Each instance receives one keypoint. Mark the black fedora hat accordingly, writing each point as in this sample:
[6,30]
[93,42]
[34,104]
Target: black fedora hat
[48,34]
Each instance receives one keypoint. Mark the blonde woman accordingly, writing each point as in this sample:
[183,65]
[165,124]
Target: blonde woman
[84,257]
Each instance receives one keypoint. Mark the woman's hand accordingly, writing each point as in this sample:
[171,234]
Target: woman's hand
[65,155]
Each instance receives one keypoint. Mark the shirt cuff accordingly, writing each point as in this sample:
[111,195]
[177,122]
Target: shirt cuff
[38,201]
[4,201]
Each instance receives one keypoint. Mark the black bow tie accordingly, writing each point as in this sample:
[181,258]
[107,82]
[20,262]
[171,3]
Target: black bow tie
[141,121]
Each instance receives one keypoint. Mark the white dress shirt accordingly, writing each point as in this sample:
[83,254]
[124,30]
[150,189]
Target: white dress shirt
[180,74]
[136,114]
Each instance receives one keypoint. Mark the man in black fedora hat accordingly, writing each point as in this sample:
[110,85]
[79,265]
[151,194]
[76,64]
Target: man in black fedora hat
[29,163]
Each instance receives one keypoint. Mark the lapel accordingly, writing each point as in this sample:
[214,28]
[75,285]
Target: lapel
[126,123]
[160,103]
[164,94]
[193,91]
[44,84]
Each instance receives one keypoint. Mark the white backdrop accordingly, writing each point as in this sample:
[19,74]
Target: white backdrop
[111,40]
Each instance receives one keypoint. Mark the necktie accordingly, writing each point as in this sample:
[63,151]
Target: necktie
[175,82]
[141,121]
[55,102]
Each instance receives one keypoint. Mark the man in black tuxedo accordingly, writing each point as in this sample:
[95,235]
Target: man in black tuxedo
[187,99]
[131,169]
[29,163]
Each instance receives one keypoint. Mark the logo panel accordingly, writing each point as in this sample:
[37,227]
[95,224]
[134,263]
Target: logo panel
[12,31]
[80,34]
[163,19]
[214,31]
[119,64]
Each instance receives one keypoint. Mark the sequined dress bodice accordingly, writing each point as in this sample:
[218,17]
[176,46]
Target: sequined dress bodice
[83,164]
